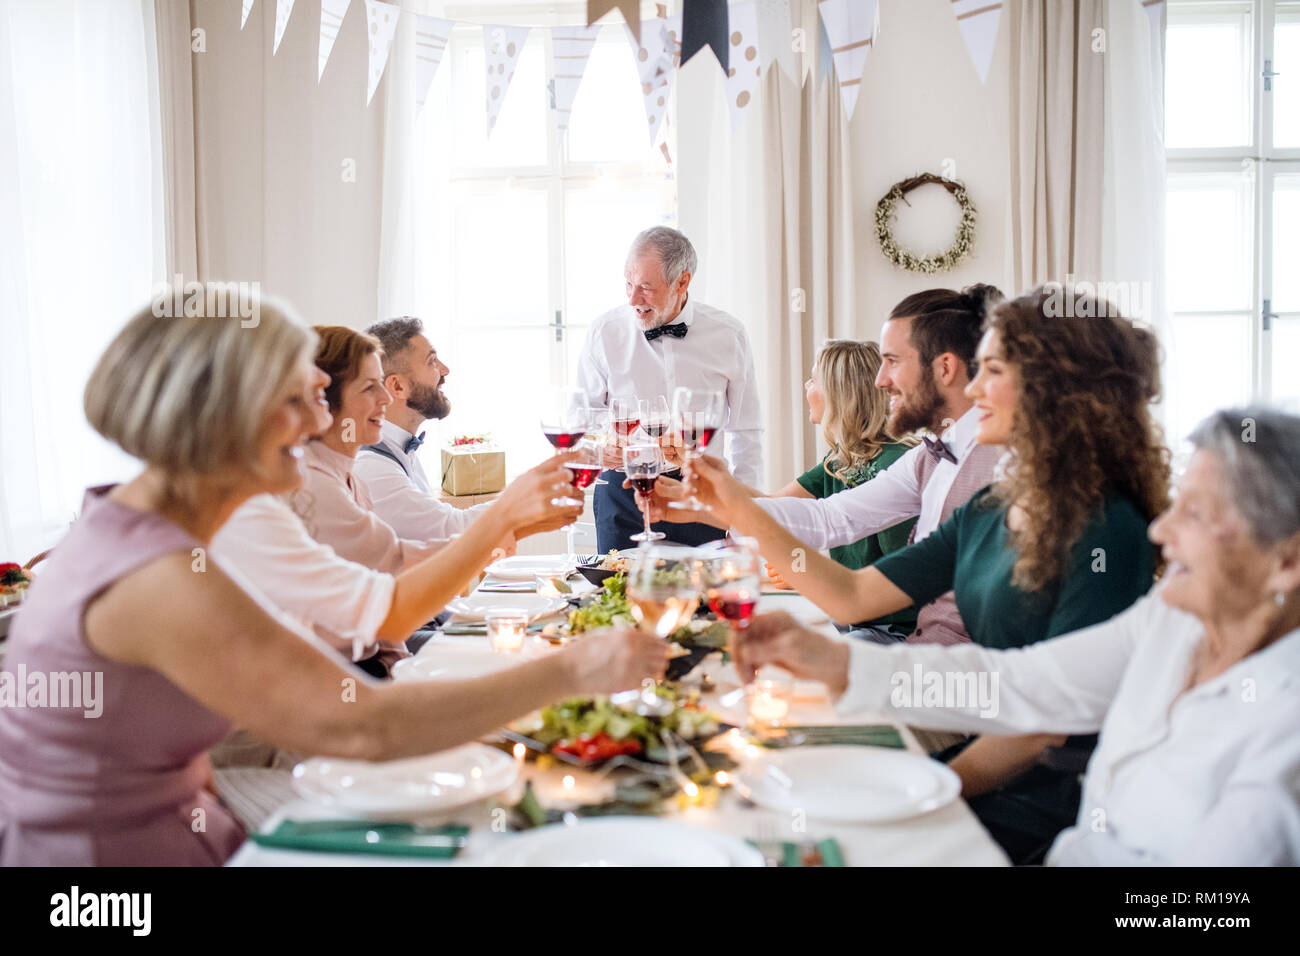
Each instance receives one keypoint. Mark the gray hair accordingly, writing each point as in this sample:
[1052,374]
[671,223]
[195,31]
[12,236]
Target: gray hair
[1260,452]
[676,254]
[394,337]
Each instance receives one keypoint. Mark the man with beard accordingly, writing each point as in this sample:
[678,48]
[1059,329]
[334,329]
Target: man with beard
[402,494]
[928,357]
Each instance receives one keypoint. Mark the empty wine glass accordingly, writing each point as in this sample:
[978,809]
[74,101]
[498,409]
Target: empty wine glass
[642,465]
[663,586]
[697,417]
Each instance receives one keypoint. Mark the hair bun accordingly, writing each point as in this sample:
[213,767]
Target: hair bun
[980,296]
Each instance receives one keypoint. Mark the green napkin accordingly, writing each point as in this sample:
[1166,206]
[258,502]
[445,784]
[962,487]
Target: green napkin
[860,735]
[794,854]
[362,836]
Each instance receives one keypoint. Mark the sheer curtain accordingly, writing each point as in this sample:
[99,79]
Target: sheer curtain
[80,242]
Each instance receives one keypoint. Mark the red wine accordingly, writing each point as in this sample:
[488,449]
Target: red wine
[734,607]
[655,429]
[563,439]
[698,438]
[583,475]
[644,485]
[626,426]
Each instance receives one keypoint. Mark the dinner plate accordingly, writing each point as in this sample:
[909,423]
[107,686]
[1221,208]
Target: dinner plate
[525,567]
[475,607]
[458,659]
[847,784]
[624,841]
[410,787]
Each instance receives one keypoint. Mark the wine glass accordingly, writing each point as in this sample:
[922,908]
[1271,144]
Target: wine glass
[642,464]
[586,467]
[731,580]
[624,415]
[697,417]
[565,417]
[663,586]
[656,416]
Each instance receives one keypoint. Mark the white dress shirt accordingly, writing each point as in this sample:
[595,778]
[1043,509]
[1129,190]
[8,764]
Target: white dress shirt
[405,500]
[714,355]
[344,602]
[892,496]
[1208,775]
[336,509]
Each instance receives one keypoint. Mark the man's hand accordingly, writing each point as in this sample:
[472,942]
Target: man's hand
[778,639]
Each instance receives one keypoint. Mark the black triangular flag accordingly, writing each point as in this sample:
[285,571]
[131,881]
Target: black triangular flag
[704,23]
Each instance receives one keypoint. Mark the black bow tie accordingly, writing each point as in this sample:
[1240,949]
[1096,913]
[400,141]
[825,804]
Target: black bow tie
[412,443]
[938,450]
[676,330]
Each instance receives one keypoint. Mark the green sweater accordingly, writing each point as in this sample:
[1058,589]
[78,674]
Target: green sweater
[819,483]
[1109,567]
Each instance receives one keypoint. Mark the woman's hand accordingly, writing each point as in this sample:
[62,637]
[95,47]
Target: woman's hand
[609,661]
[775,579]
[527,501]
[778,639]
[708,479]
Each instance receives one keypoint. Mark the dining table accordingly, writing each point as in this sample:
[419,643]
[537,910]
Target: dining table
[947,835]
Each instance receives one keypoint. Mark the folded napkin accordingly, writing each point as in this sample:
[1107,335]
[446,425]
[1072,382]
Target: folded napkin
[364,836]
[823,853]
[860,735]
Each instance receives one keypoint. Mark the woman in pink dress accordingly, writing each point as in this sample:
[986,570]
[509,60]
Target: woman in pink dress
[167,651]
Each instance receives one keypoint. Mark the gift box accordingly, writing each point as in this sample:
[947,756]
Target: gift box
[474,468]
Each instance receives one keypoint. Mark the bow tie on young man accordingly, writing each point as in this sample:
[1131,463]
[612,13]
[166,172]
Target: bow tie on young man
[412,443]
[938,450]
[677,331]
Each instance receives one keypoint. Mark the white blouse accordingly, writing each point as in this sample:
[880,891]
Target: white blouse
[1206,776]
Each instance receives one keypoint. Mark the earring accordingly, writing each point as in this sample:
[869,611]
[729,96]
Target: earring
[1280,598]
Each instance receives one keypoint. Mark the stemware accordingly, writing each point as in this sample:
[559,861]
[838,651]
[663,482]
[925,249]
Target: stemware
[565,417]
[663,586]
[697,417]
[731,580]
[642,465]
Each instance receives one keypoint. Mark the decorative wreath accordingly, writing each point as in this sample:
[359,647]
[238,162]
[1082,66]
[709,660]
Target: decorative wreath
[929,265]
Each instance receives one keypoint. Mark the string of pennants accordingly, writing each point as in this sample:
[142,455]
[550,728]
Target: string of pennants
[659,46]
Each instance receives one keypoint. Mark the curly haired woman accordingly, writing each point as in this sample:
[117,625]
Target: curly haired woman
[1058,544]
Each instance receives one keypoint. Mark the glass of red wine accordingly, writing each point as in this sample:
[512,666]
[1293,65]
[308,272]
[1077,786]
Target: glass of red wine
[656,417]
[697,417]
[731,576]
[624,416]
[586,468]
[565,417]
[642,464]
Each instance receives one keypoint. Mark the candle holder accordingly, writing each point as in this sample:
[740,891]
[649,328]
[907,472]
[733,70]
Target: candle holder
[769,702]
[506,628]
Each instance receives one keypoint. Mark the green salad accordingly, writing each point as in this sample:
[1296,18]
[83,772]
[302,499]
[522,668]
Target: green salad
[609,609]
[595,718]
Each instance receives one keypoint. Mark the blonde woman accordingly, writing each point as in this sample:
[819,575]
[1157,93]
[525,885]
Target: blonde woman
[182,647]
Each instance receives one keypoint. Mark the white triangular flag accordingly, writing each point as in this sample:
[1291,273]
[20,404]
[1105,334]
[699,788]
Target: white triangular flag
[501,49]
[243,16]
[570,49]
[283,10]
[332,13]
[746,64]
[432,35]
[850,27]
[381,24]
[978,22]
[661,42]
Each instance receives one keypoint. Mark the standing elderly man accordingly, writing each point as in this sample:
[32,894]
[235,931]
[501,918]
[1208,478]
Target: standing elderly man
[663,339]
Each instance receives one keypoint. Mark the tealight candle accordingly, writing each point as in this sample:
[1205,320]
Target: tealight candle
[505,629]
[769,702]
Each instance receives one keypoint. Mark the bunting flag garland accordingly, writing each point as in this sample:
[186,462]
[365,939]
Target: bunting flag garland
[704,23]
[283,10]
[978,22]
[654,64]
[502,46]
[332,13]
[746,62]
[570,49]
[850,27]
[381,25]
[243,16]
[432,35]
[631,10]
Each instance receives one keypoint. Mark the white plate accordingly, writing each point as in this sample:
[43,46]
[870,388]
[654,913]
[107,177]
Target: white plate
[624,841]
[456,659]
[411,787]
[475,607]
[847,784]
[525,567]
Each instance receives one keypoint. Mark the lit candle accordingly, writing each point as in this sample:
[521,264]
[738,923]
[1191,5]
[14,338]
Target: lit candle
[769,702]
[506,628]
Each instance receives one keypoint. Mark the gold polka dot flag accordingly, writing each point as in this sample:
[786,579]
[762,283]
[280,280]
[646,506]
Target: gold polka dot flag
[655,57]
[745,63]
[501,48]
[381,25]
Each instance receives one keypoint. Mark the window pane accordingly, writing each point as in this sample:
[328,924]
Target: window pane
[519,138]
[1286,244]
[1209,241]
[1207,366]
[1208,76]
[608,122]
[1286,88]
[1286,355]
[499,241]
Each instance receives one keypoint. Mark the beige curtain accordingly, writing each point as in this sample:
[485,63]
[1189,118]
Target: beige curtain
[272,177]
[1057,139]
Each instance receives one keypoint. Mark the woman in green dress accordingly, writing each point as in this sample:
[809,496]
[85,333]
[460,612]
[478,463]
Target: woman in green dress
[1056,544]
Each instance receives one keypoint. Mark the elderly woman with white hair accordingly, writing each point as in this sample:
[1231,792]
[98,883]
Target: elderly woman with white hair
[1195,689]
[218,413]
